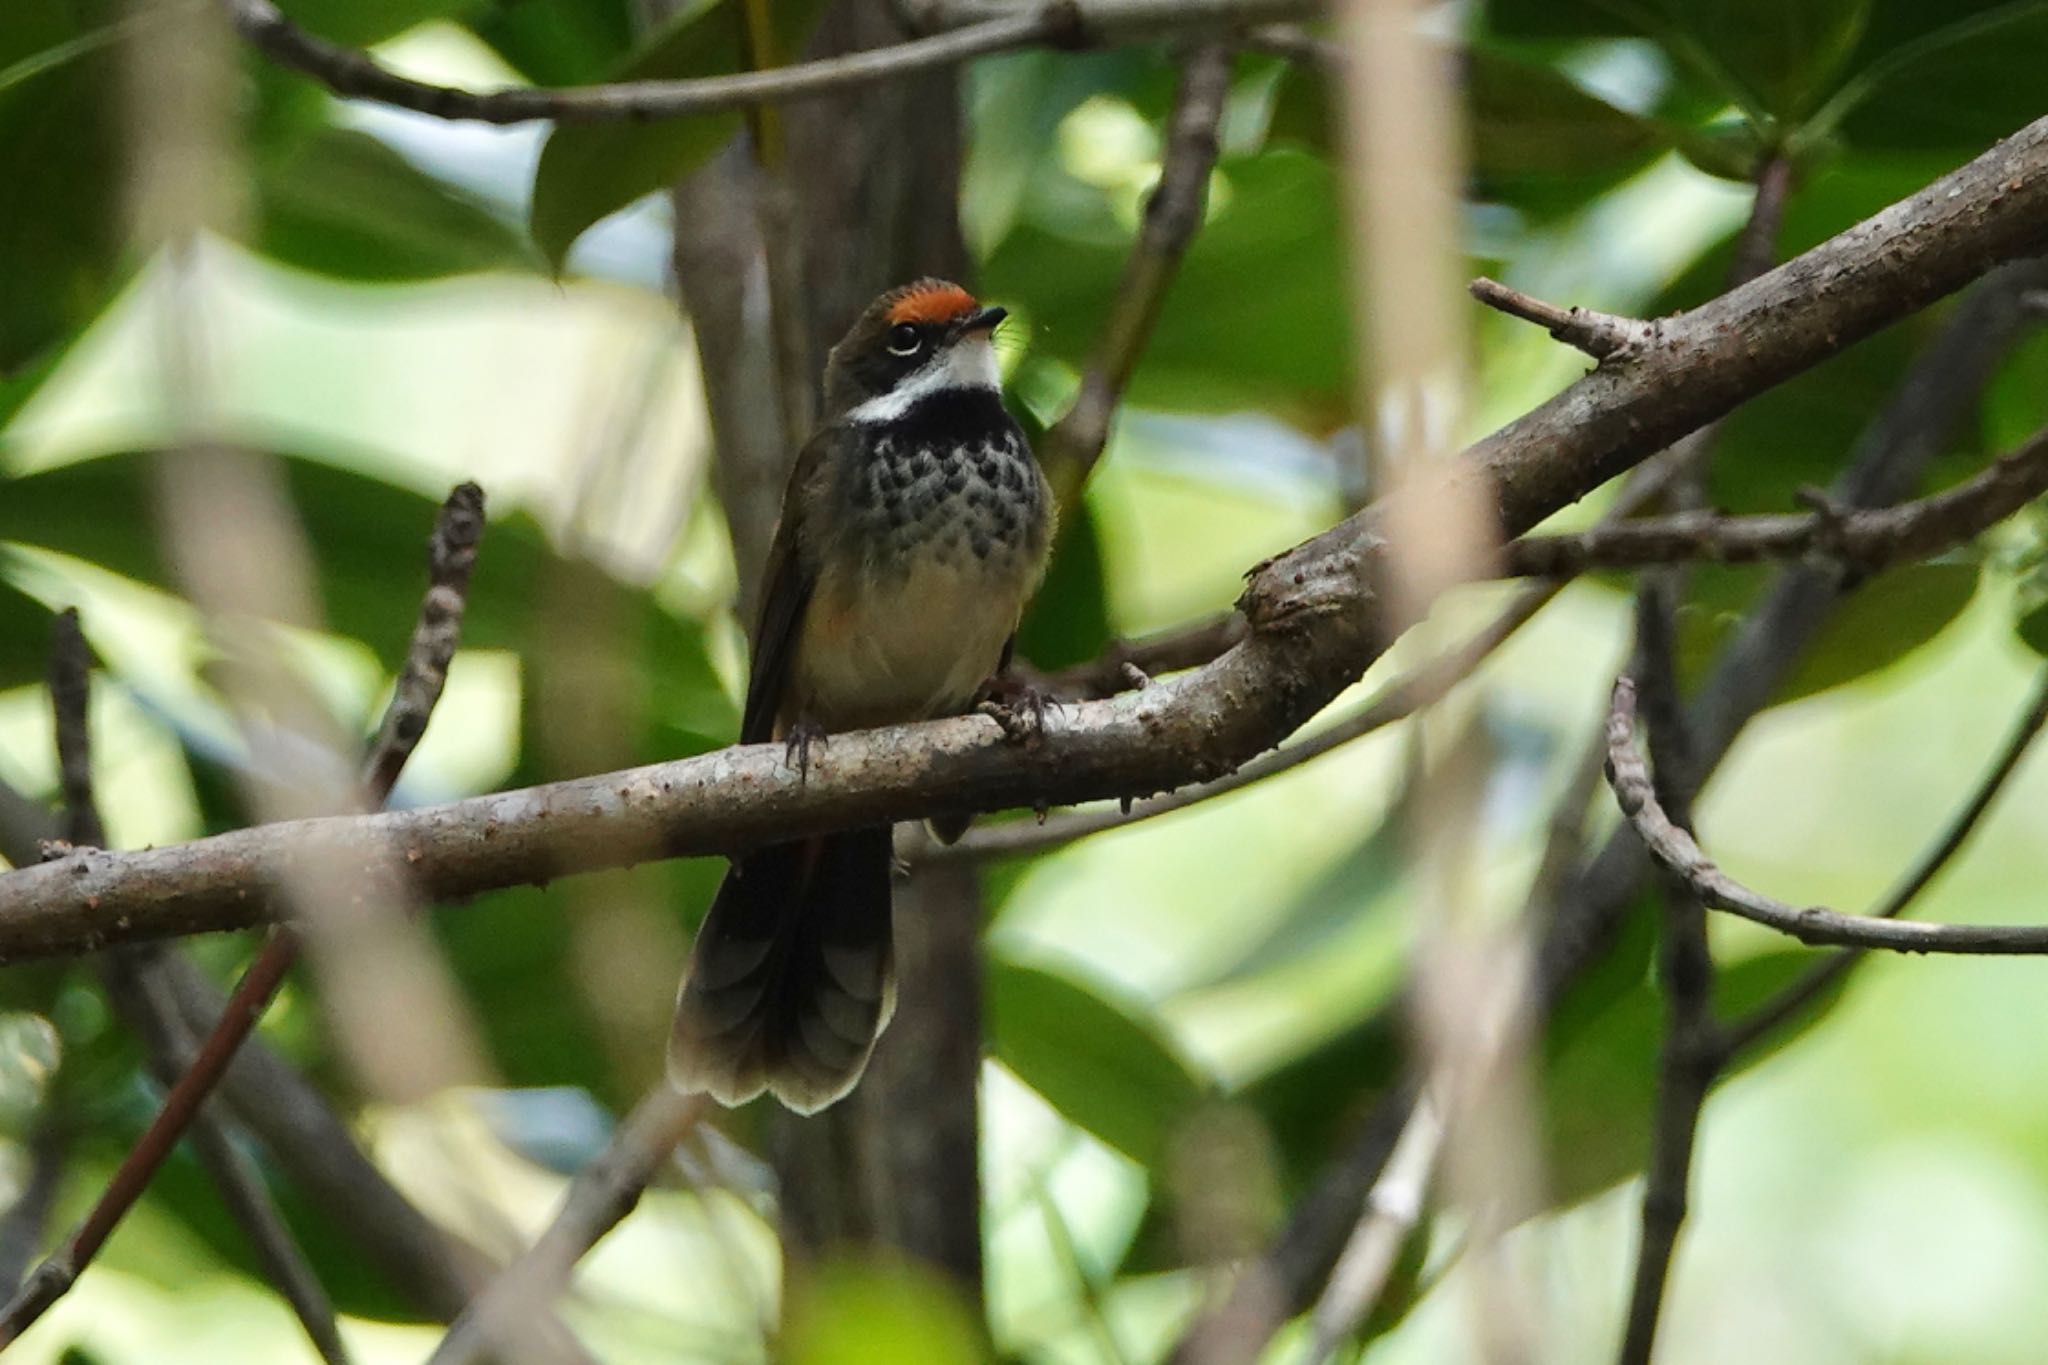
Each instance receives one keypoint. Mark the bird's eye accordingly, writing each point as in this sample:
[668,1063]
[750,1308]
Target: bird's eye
[905,339]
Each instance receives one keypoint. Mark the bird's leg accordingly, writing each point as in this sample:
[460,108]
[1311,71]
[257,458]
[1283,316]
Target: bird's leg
[1015,703]
[803,733]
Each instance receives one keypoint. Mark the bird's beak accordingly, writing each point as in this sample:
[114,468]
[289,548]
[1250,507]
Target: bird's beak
[980,322]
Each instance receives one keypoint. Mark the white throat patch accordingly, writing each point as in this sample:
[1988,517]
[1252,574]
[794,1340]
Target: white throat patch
[969,364]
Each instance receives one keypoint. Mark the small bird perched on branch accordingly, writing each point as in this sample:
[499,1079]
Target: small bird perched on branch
[915,527]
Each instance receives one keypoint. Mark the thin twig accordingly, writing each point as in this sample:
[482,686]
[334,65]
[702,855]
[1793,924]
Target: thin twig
[1861,540]
[1939,390]
[23,1224]
[1756,247]
[1604,336]
[1315,622]
[451,555]
[1746,1032]
[128,976]
[601,1195]
[976,32]
[1693,1049]
[1392,1210]
[1676,850]
[1152,656]
[142,997]
[1173,214]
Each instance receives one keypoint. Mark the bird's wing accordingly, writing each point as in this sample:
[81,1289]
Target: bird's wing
[787,582]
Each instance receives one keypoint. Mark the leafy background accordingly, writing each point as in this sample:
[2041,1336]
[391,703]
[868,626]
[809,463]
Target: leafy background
[420,302]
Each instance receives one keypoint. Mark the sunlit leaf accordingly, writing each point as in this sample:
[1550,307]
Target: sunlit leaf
[849,1312]
[1106,1066]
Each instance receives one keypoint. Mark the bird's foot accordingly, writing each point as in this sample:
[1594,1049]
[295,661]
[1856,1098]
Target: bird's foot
[797,746]
[1018,706]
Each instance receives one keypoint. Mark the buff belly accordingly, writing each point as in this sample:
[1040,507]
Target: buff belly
[908,643]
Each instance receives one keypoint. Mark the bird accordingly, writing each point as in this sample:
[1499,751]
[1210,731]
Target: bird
[914,530]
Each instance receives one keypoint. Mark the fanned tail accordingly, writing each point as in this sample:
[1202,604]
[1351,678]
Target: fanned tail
[793,975]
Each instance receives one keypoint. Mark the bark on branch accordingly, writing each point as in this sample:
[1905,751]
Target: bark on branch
[1312,614]
[1681,855]
[970,31]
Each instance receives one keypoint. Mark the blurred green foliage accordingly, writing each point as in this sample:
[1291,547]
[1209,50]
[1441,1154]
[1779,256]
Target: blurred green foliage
[1570,102]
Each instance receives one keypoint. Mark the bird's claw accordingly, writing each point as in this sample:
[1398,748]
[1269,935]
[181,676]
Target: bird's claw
[1017,706]
[797,746]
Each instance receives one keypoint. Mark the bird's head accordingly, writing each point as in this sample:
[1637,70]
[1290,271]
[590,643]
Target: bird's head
[914,341]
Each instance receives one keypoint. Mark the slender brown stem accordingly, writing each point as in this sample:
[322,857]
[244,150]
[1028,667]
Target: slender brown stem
[1677,852]
[1788,1003]
[1173,214]
[452,554]
[972,31]
[1693,1048]
[599,1198]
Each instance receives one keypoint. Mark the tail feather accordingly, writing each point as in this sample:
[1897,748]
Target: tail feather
[793,975]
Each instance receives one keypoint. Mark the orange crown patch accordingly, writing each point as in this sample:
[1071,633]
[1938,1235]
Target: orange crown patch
[931,301]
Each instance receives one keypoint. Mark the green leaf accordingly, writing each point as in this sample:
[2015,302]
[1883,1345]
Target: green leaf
[1884,620]
[1311,1102]
[346,204]
[24,637]
[1772,57]
[1539,140]
[61,236]
[1956,87]
[1109,1068]
[1218,346]
[369,540]
[359,23]
[1017,102]
[1068,622]
[559,42]
[855,1311]
[588,172]
[1599,1084]
[1328,912]
[1785,53]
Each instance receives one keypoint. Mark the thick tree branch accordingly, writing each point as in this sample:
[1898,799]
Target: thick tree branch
[1583,909]
[1676,851]
[1313,625]
[974,32]
[1395,702]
